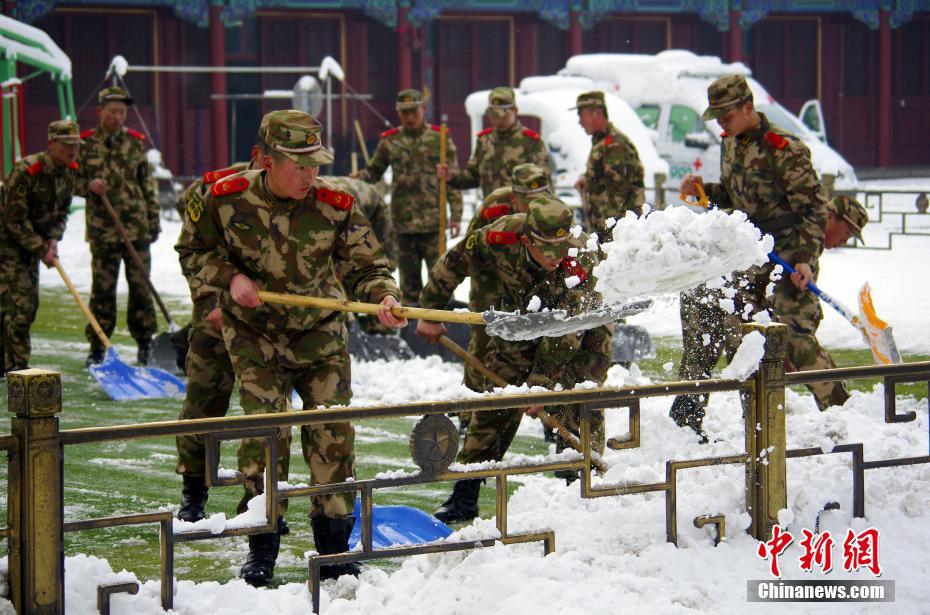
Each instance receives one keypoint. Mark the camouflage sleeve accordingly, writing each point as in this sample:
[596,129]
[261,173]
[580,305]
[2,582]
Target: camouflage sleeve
[202,249]
[624,171]
[380,218]
[717,195]
[360,260]
[149,185]
[191,199]
[16,213]
[469,177]
[452,195]
[378,163]
[462,260]
[540,156]
[56,228]
[796,175]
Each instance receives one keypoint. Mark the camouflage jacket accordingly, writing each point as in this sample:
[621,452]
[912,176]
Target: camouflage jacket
[483,292]
[496,154]
[767,174]
[413,156]
[297,247]
[36,198]
[120,160]
[614,176]
[496,252]
[371,202]
[203,295]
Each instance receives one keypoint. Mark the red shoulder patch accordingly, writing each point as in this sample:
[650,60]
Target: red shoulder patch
[389,132]
[724,134]
[532,134]
[495,211]
[74,165]
[135,133]
[439,128]
[230,186]
[486,131]
[776,140]
[339,200]
[501,238]
[35,167]
[214,176]
[571,267]
[608,139]
[87,133]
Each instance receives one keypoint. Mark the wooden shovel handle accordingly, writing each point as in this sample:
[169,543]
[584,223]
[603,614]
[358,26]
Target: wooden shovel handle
[340,305]
[548,420]
[80,301]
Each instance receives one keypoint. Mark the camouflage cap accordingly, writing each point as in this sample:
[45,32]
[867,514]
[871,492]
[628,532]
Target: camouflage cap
[529,178]
[113,94]
[851,211]
[589,99]
[409,99]
[723,93]
[64,131]
[298,136]
[548,225]
[501,100]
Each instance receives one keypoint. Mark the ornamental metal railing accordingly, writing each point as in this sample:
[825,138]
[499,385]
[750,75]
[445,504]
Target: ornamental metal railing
[37,448]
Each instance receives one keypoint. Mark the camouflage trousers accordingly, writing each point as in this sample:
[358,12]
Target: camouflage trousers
[210,381]
[19,302]
[105,265]
[316,364]
[413,249]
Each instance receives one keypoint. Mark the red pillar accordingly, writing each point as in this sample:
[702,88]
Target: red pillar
[218,131]
[735,38]
[884,90]
[574,35]
[404,52]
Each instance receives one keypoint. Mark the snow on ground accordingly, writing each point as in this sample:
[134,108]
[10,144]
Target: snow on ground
[611,553]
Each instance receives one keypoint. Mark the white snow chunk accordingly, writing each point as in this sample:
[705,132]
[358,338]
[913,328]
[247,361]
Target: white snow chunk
[746,360]
[572,281]
[668,366]
[119,66]
[534,304]
[330,67]
[785,517]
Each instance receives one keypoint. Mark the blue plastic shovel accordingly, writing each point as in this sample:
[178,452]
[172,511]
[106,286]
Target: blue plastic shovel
[120,381]
[876,332]
[398,525]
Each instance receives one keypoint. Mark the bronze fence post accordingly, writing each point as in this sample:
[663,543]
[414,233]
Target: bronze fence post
[764,413]
[36,494]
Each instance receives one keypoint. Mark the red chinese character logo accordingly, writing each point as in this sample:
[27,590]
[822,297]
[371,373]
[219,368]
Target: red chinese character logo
[775,547]
[861,551]
[819,551]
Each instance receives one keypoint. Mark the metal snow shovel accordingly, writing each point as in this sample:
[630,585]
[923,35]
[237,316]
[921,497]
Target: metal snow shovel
[163,351]
[547,419]
[875,331]
[507,325]
[120,381]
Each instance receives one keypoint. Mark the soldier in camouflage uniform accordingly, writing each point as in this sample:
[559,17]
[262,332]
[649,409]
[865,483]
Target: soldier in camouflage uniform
[766,172]
[282,229]
[370,200]
[113,163]
[527,255]
[35,201]
[613,182]
[412,152]
[499,148]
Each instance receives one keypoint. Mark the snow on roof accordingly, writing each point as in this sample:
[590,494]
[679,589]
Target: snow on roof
[551,101]
[44,49]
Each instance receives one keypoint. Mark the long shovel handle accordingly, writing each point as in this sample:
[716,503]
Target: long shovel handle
[361,142]
[135,256]
[80,301]
[548,420]
[828,299]
[339,305]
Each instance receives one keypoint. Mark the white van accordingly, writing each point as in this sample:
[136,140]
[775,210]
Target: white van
[549,99]
[669,92]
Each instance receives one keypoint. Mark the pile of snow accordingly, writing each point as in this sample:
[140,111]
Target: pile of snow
[676,249]
[745,362]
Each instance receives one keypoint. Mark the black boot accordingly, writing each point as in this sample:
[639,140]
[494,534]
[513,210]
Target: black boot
[462,505]
[193,499]
[332,536]
[259,567]
[145,349]
[688,411]
[96,355]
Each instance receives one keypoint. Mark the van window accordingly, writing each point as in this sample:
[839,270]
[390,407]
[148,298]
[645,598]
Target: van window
[683,121]
[649,115]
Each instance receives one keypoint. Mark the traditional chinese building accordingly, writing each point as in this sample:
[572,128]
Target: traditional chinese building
[868,61]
